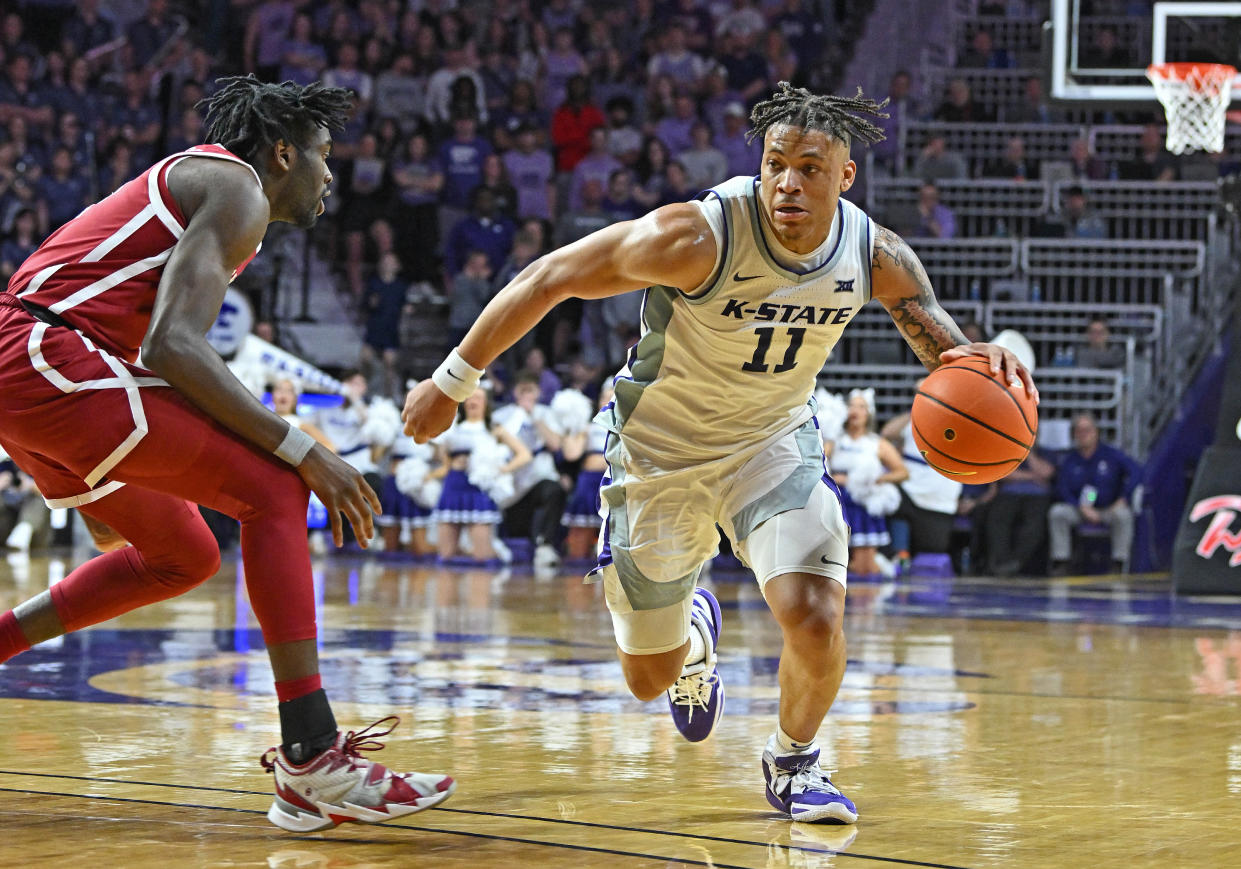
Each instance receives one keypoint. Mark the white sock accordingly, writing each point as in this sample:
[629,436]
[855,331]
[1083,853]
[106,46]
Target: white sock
[697,646]
[788,745]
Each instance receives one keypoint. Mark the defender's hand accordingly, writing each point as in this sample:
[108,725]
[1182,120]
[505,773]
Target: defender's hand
[343,491]
[1001,358]
[428,412]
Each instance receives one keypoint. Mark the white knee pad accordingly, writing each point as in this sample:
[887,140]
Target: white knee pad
[814,539]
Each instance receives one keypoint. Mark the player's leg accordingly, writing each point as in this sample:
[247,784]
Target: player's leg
[799,557]
[655,538]
[187,455]
[171,552]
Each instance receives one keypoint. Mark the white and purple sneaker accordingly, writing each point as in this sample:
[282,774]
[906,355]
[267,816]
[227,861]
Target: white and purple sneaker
[696,699]
[798,787]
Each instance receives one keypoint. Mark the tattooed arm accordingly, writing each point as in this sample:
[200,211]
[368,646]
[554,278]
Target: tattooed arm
[899,281]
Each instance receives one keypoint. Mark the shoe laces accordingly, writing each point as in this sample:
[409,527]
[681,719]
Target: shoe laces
[351,747]
[694,689]
[810,777]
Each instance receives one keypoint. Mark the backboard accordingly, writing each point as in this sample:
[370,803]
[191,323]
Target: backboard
[1099,50]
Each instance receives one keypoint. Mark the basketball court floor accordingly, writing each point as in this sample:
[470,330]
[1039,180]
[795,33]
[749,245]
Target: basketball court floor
[1088,722]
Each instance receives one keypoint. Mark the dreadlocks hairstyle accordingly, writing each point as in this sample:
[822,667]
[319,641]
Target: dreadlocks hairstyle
[839,117]
[247,116]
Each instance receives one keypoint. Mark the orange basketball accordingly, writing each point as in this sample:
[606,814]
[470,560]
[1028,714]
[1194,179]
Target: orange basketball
[970,424]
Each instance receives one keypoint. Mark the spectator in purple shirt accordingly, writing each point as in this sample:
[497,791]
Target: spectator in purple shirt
[742,156]
[619,202]
[19,244]
[136,117]
[747,71]
[302,59]
[461,161]
[532,171]
[560,64]
[677,131]
[86,28]
[597,165]
[482,229]
[936,220]
[64,189]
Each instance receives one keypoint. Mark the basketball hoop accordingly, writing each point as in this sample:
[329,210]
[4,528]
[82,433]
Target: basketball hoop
[1195,98]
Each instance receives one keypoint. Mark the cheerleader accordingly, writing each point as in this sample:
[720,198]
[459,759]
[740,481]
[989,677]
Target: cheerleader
[407,516]
[284,398]
[861,461]
[581,515]
[462,503]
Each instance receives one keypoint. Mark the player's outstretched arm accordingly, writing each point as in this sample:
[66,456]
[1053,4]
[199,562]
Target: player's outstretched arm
[899,281]
[227,217]
[672,246]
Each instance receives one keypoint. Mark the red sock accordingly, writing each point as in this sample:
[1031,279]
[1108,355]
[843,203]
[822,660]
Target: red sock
[12,640]
[294,688]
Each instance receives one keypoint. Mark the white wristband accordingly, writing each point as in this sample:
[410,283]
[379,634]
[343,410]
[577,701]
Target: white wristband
[456,378]
[294,447]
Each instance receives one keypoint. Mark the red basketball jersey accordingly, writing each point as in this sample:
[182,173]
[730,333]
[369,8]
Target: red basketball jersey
[100,271]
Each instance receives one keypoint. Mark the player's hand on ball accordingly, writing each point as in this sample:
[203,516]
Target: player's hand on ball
[428,412]
[343,491]
[1002,359]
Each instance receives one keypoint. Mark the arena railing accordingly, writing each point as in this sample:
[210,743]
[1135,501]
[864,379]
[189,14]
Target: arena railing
[1173,210]
[1119,142]
[978,143]
[983,207]
[991,88]
[1063,393]
[1108,271]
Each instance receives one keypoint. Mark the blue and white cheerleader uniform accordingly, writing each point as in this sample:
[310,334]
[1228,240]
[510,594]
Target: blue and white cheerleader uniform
[866,529]
[461,502]
[399,508]
[582,511]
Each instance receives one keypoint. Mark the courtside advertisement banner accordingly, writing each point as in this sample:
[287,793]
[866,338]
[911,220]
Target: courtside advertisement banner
[1206,558]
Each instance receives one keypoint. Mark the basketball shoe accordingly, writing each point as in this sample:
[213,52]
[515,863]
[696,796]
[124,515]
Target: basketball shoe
[797,786]
[338,785]
[696,699]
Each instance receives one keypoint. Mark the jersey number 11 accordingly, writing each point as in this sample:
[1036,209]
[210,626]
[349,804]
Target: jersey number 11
[765,333]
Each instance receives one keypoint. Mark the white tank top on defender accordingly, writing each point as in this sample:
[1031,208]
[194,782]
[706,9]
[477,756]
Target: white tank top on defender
[733,363]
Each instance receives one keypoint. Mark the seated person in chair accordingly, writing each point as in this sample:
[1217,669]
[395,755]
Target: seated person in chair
[1094,486]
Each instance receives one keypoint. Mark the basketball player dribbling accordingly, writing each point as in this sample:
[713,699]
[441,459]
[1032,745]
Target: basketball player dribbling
[134,447]
[748,290]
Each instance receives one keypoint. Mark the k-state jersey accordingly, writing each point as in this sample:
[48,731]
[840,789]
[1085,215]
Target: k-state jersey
[735,364]
[100,271]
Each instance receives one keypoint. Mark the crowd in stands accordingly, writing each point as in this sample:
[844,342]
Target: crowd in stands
[484,135]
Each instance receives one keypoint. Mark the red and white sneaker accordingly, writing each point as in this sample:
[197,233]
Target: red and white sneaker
[339,785]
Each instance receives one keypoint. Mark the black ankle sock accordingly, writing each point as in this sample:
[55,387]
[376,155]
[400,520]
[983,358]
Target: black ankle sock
[307,726]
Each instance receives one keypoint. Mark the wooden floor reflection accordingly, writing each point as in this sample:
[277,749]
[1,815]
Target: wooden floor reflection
[1088,722]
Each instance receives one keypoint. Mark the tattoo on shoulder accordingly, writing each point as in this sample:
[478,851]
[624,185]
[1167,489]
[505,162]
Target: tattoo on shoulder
[926,327]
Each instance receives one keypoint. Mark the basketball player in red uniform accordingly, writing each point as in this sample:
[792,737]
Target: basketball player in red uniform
[135,445]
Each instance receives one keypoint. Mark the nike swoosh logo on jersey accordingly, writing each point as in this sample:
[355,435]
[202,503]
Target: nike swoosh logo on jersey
[737,277]
[825,560]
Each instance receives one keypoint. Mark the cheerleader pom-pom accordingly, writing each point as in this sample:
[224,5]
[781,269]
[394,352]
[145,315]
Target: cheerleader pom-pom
[882,499]
[572,410]
[831,415]
[383,423]
[410,475]
[429,494]
[486,460]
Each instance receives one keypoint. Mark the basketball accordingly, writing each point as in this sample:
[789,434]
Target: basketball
[970,425]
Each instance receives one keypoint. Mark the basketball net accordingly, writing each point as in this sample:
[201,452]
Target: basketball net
[1195,99]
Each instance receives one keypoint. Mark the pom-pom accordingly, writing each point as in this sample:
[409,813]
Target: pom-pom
[831,414]
[572,410]
[486,460]
[410,475]
[383,423]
